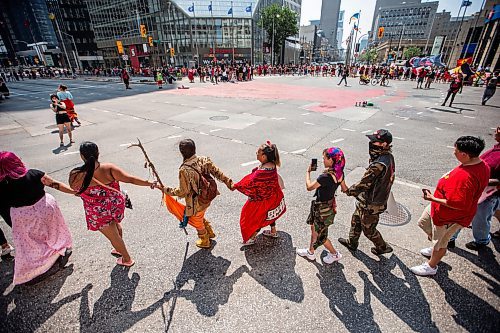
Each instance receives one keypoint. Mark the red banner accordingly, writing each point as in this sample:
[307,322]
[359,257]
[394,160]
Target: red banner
[134,59]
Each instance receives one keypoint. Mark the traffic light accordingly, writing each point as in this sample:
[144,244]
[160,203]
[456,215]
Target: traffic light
[172,52]
[150,41]
[143,30]
[119,45]
[380,33]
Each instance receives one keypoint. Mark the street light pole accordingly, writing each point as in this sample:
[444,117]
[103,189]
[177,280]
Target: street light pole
[272,46]
[77,57]
[52,16]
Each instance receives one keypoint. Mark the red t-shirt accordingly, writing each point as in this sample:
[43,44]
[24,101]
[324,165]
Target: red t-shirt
[461,187]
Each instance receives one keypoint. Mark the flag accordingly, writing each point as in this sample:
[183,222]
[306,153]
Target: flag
[460,62]
[249,9]
[355,17]
[466,3]
[210,7]
[191,8]
[356,27]
[230,11]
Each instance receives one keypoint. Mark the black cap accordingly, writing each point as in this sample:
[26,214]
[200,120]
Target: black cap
[382,135]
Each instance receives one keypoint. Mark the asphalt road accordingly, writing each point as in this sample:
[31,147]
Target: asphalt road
[176,287]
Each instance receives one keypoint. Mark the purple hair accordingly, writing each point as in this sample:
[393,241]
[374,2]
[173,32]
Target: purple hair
[337,155]
[11,166]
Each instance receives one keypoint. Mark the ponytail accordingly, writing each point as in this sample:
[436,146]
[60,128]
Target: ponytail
[90,153]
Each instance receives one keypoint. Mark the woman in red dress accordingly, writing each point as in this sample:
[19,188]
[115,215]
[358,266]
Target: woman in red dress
[191,75]
[266,202]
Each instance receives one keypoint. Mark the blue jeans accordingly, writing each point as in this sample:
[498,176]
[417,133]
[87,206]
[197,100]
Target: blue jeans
[481,223]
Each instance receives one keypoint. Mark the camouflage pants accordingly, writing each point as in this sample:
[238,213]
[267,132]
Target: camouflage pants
[365,221]
[321,217]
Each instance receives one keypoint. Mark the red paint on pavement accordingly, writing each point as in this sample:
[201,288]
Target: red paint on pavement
[322,99]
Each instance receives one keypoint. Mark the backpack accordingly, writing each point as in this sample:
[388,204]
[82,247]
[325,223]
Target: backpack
[207,187]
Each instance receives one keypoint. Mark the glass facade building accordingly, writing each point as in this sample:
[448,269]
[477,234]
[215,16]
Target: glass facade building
[183,31]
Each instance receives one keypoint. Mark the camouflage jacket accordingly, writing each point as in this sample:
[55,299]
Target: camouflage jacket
[378,177]
[189,180]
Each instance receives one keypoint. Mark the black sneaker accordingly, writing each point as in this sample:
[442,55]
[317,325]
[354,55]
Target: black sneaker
[347,244]
[63,260]
[474,246]
[451,244]
[377,252]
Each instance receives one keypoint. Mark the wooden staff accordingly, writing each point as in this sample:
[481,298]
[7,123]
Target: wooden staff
[151,166]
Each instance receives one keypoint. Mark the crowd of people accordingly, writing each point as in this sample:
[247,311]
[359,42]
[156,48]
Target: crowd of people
[468,194]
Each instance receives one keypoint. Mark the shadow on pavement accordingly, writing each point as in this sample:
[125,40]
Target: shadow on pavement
[402,295]
[356,317]
[212,287]
[31,306]
[472,313]
[484,259]
[272,264]
[112,312]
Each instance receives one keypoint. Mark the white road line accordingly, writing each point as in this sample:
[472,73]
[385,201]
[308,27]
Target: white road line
[404,118]
[348,129]
[125,144]
[450,147]
[410,106]
[493,128]
[419,112]
[397,137]
[444,122]
[249,163]
[407,184]
[305,114]
[367,131]
[337,140]
[470,117]
[71,153]
[154,122]
[439,129]
[305,122]
[203,133]
[202,107]
[136,118]
[216,130]
[283,152]
[119,114]
[222,110]
[175,126]
[183,104]
[278,118]
[298,151]
[389,124]
[236,141]
[166,102]
[174,136]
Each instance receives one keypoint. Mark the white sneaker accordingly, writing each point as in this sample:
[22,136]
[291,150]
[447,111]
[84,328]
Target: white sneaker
[7,250]
[424,270]
[331,258]
[427,252]
[306,253]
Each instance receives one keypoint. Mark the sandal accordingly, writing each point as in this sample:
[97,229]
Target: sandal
[268,233]
[249,242]
[115,253]
[61,144]
[496,234]
[126,264]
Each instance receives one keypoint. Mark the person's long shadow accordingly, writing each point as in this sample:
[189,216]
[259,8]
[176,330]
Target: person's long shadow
[32,305]
[212,287]
[403,296]
[272,263]
[356,317]
[472,312]
[112,312]
[485,260]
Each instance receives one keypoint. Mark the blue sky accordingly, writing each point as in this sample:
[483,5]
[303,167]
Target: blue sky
[311,10]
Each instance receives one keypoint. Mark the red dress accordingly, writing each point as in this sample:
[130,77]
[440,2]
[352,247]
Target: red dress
[103,205]
[265,203]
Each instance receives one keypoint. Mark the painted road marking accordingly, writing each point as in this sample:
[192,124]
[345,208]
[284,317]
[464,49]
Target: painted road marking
[419,112]
[166,102]
[337,140]
[175,126]
[450,147]
[71,153]
[305,114]
[222,110]
[203,133]
[135,118]
[237,141]
[278,118]
[439,129]
[470,117]
[216,130]
[407,184]
[174,136]
[125,144]
[348,129]
[305,122]
[404,118]
[154,122]
[249,163]
[119,114]
[397,137]
[202,107]
[410,106]
[444,122]
[367,131]
[389,124]
[284,152]
[298,151]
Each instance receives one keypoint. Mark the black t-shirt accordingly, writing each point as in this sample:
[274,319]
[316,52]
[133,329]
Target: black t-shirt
[326,191]
[25,191]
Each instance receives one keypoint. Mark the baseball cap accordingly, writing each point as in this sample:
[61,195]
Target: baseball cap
[382,135]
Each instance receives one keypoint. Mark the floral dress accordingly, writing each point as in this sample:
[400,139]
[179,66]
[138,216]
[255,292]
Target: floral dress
[103,205]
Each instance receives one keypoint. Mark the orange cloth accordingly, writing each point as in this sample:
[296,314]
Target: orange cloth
[177,209]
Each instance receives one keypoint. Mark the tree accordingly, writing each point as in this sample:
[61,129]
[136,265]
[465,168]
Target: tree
[369,56]
[285,24]
[411,52]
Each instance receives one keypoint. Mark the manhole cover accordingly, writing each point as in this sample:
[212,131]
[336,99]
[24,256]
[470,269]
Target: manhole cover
[402,217]
[219,118]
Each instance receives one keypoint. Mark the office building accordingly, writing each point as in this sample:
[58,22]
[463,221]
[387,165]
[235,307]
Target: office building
[330,10]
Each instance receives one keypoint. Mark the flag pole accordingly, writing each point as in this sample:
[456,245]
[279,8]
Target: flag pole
[356,34]
[195,38]
[213,29]
[232,21]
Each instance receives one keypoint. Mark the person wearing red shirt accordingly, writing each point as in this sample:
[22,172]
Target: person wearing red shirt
[454,202]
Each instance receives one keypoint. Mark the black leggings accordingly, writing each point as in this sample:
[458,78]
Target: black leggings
[5,213]
[448,96]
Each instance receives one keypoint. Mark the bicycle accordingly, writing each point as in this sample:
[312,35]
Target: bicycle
[375,81]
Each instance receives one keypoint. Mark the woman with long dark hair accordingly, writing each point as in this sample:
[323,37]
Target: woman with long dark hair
[40,235]
[62,118]
[98,185]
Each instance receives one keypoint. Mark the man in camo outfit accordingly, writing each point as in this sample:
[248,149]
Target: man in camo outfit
[372,193]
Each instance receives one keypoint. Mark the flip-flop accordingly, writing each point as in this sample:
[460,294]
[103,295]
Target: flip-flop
[126,264]
[115,253]
[268,233]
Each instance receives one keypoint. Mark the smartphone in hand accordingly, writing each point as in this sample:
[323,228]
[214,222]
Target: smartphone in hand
[426,192]
[314,164]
